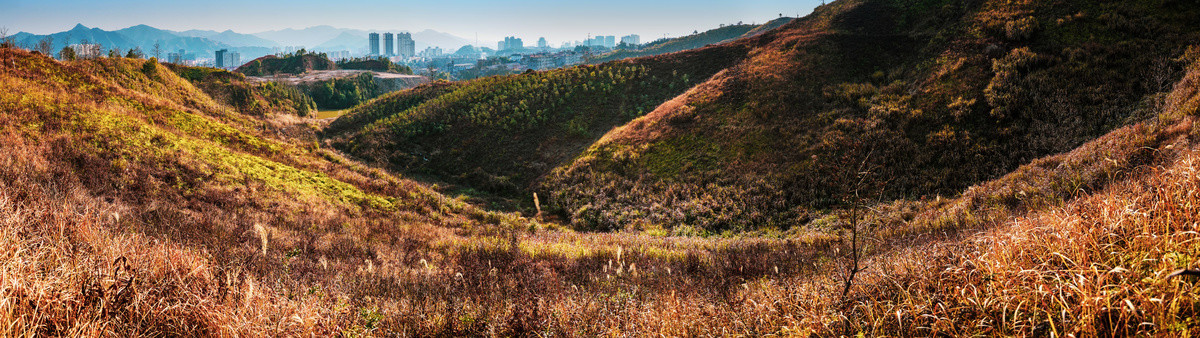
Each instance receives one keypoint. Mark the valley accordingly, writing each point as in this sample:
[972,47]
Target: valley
[875,168]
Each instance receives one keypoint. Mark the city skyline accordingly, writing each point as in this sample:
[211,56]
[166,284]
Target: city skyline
[485,21]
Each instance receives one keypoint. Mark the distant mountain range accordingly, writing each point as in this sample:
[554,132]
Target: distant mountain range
[203,43]
[231,38]
[145,37]
[329,38]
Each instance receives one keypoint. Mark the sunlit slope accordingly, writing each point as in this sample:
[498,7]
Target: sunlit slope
[126,159]
[929,96]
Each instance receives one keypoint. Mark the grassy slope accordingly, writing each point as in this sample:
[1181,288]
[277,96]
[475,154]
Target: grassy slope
[1070,243]
[709,37]
[1079,243]
[767,142]
[143,156]
[133,203]
[501,133]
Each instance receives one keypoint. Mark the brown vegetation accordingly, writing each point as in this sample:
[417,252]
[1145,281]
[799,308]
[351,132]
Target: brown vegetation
[133,202]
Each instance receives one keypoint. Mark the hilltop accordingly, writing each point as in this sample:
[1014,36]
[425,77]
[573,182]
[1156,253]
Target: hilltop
[709,37]
[332,85]
[295,63]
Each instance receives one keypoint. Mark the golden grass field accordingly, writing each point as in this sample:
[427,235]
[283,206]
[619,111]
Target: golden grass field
[138,202]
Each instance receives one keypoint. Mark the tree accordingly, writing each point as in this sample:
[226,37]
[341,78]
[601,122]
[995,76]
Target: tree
[66,53]
[157,49]
[115,52]
[5,40]
[46,45]
[865,184]
[150,68]
[135,53]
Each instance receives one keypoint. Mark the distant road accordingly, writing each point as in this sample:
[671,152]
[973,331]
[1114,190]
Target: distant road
[322,75]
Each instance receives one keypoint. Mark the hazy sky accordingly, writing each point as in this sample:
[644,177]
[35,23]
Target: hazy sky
[557,20]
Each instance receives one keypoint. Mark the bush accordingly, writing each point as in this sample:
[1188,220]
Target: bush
[1021,29]
[150,67]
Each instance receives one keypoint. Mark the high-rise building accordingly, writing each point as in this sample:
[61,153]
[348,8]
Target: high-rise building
[220,59]
[631,39]
[374,38]
[338,55]
[233,60]
[542,43]
[601,41]
[389,47]
[510,43]
[405,46]
[432,52]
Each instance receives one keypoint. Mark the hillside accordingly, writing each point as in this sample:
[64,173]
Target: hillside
[131,203]
[876,85]
[249,97]
[499,134]
[764,142]
[709,37]
[879,168]
[120,164]
[295,63]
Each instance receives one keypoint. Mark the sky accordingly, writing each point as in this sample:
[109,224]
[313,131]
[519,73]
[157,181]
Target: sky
[556,20]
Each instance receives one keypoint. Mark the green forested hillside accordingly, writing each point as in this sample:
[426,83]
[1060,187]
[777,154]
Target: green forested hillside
[295,63]
[500,133]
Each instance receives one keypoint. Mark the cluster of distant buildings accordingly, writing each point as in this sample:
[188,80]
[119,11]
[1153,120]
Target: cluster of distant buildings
[286,49]
[606,41]
[510,55]
[402,45]
[610,41]
[225,59]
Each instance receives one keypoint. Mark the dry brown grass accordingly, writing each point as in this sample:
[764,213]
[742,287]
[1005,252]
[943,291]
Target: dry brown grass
[1074,244]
